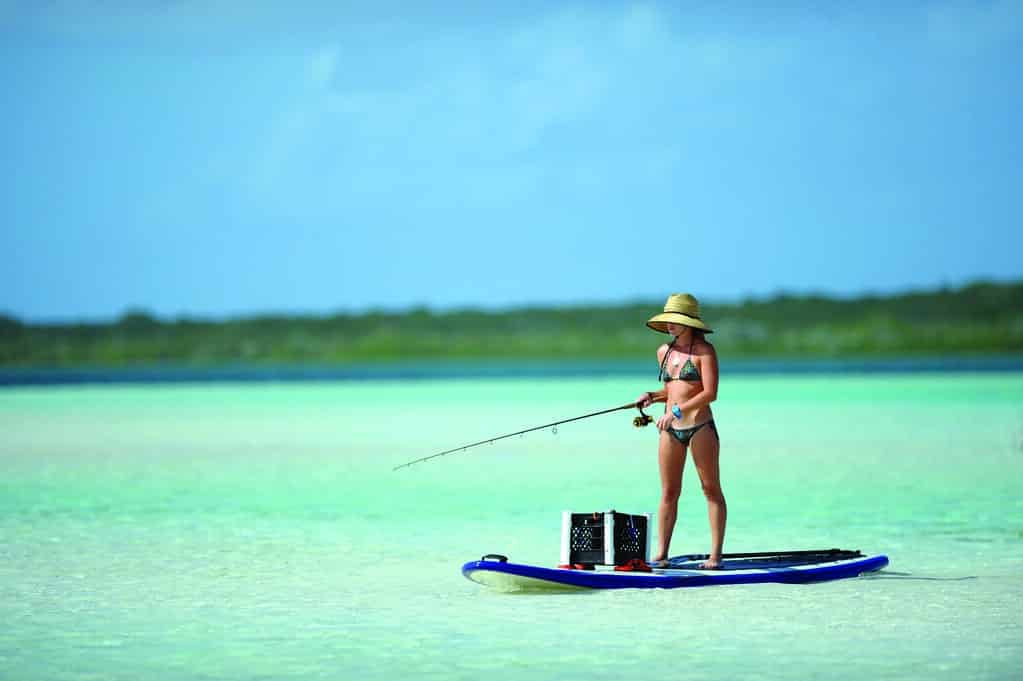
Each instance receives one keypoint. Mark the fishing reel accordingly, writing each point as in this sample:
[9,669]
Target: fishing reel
[643,419]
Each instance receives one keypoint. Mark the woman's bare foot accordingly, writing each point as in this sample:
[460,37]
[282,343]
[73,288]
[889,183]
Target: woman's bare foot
[711,564]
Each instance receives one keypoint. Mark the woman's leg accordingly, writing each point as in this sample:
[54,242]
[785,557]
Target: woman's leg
[671,457]
[706,447]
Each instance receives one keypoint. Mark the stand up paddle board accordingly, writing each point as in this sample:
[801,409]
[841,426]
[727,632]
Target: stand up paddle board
[789,567]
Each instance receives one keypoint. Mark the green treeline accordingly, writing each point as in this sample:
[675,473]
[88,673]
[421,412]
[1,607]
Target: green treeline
[982,318]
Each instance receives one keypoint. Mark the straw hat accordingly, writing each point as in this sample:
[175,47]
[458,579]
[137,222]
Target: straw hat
[681,308]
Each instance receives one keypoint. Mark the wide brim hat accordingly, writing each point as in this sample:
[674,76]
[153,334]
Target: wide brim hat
[681,308]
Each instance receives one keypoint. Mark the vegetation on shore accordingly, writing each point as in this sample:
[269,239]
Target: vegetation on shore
[978,319]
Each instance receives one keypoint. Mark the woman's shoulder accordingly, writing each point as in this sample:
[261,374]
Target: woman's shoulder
[704,347]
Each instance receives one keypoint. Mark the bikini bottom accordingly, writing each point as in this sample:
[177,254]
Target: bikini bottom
[684,435]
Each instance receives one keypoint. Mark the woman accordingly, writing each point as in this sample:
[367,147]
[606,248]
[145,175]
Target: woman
[689,370]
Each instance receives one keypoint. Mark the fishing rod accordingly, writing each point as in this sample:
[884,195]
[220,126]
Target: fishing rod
[640,421]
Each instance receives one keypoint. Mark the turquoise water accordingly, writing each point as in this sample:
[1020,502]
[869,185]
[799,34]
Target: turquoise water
[257,531]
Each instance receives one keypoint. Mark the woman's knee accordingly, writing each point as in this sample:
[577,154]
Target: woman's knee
[670,494]
[713,493]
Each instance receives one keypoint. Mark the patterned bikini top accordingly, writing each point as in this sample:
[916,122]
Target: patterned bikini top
[689,372]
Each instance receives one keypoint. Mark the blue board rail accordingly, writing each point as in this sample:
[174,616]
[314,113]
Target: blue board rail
[680,572]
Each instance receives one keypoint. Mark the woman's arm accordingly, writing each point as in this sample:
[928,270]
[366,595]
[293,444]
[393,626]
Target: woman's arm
[648,398]
[709,371]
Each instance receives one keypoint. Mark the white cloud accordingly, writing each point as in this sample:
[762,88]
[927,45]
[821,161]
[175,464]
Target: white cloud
[323,67]
[384,105]
[479,104]
[456,110]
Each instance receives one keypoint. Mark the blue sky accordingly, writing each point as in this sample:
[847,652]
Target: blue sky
[224,157]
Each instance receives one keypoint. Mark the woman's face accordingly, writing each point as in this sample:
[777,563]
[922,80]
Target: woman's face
[676,329]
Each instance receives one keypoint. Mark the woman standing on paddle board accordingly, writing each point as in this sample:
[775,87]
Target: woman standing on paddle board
[689,371]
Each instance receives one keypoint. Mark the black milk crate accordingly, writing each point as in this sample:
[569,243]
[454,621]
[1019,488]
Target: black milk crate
[604,538]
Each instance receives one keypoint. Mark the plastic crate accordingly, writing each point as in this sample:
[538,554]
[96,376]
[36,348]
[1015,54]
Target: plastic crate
[604,538]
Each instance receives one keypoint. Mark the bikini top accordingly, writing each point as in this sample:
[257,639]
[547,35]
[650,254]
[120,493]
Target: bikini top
[688,373]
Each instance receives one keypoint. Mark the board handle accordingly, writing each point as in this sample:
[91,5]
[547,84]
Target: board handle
[495,556]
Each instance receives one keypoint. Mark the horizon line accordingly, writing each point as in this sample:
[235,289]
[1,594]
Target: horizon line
[457,308]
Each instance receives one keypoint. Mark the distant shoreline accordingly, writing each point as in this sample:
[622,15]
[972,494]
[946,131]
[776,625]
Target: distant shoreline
[979,320]
[405,371]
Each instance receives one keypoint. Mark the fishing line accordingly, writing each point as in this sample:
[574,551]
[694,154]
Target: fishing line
[640,421]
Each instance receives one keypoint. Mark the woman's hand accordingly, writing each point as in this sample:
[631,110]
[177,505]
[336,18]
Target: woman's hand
[664,422]
[645,400]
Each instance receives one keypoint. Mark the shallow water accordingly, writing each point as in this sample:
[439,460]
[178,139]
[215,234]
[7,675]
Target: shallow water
[257,531]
